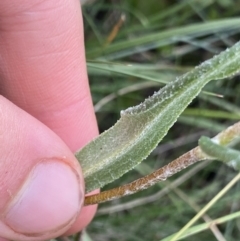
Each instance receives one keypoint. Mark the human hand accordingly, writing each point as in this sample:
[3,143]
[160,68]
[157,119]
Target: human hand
[43,72]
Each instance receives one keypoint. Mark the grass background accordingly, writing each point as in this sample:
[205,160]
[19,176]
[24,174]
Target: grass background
[133,48]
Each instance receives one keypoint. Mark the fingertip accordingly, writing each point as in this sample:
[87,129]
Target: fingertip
[85,216]
[49,199]
[41,184]
[3,239]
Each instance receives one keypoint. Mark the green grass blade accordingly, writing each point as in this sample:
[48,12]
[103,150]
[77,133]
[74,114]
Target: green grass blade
[205,226]
[167,36]
[140,128]
[211,113]
[141,71]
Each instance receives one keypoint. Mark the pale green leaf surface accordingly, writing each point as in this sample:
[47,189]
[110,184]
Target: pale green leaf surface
[225,154]
[140,128]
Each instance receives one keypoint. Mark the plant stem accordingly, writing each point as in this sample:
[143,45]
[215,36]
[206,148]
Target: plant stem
[226,137]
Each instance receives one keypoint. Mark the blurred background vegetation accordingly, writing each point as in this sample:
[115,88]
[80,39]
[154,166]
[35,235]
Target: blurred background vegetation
[133,48]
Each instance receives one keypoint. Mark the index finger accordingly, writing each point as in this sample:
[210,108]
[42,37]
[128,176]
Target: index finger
[43,69]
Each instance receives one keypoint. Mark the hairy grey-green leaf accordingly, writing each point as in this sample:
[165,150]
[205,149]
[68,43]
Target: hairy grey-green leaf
[140,128]
[225,154]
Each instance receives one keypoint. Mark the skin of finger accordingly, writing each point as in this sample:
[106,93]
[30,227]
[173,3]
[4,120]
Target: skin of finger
[43,70]
[21,150]
[3,239]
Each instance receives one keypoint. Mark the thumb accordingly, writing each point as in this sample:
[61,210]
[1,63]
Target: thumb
[41,185]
